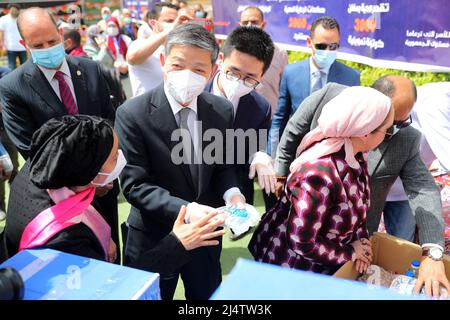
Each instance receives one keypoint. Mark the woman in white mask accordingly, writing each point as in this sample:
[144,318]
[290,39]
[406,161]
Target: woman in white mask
[118,44]
[51,204]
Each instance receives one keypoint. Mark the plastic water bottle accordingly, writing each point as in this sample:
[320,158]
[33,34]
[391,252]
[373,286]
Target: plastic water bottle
[409,274]
[414,268]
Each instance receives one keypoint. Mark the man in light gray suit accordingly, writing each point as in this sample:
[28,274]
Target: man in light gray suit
[397,156]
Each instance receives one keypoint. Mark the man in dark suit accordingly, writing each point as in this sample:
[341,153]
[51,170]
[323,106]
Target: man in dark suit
[247,54]
[158,178]
[52,84]
[305,77]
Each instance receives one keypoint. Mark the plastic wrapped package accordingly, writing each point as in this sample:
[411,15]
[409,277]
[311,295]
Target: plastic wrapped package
[377,276]
[240,220]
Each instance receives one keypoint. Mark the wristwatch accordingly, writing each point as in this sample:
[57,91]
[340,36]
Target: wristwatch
[435,254]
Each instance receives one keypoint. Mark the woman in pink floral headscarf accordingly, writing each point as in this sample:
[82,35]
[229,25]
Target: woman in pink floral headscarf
[320,222]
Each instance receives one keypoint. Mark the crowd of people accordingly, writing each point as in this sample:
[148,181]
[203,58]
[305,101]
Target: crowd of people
[335,155]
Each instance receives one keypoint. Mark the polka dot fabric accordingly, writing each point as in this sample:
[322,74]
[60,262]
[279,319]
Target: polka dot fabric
[322,212]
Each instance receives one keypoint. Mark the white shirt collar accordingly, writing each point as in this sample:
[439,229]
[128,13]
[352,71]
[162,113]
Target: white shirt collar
[215,88]
[175,106]
[313,68]
[50,73]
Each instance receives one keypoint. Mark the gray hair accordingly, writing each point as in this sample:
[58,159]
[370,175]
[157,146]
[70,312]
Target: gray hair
[189,34]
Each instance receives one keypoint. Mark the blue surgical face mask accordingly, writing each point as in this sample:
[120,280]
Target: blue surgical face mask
[50,58]
[324,58]
[199,14]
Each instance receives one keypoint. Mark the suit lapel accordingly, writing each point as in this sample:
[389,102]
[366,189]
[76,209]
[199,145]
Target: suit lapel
[304,85]
[376,156]
[79,85]
[165,124]
[333,74]
[42,87]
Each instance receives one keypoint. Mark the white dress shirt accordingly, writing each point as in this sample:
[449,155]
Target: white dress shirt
[431,116]
[193,125]
[50,76]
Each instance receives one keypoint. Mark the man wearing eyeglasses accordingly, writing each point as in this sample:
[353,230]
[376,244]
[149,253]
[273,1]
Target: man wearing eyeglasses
[247,54]
[397,157]
[305,77]
[430,116]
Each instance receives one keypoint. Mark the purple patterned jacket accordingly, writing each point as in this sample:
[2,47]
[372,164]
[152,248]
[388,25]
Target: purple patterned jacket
[323,212]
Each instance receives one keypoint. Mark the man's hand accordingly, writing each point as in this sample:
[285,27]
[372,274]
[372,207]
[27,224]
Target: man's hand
[432,275]
[183,18]
[195,211]
[199,233]
[112,251]
[263,167]
[101,191]
[279,187]
[3,174]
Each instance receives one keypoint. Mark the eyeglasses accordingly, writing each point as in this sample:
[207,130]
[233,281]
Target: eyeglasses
[325,46]
[403,123]
[389,133]
[248,82]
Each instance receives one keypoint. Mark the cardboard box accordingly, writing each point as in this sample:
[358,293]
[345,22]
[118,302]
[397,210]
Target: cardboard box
[54,275]
[392,254]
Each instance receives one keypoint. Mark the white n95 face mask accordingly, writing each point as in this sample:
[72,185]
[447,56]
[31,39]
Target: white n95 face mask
[234,90]
[185,85]
[113,175]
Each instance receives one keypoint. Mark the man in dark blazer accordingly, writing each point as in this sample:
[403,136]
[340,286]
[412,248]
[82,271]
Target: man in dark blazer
[303,78]
[30,95]
[247,54]
[397,156]
[157,180]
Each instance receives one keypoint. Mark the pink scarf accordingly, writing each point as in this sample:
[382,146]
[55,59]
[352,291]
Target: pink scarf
[70,209]
[355,112]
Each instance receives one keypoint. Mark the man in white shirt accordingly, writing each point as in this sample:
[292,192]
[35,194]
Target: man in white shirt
[10,37]
[143,54]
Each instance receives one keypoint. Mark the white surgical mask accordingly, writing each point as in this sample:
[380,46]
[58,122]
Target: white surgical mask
[185,85]
[114,174]
[167,26]
[112,31]
[234,90]
[325,58]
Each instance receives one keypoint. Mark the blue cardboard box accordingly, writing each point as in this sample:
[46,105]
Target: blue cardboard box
[54,275]
[250,280]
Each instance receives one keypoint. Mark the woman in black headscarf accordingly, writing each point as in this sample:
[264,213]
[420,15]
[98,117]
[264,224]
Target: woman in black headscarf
[50,198]
[69,158]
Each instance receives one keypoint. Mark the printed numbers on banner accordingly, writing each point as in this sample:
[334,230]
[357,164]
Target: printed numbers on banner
[298,23]
[365,25]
